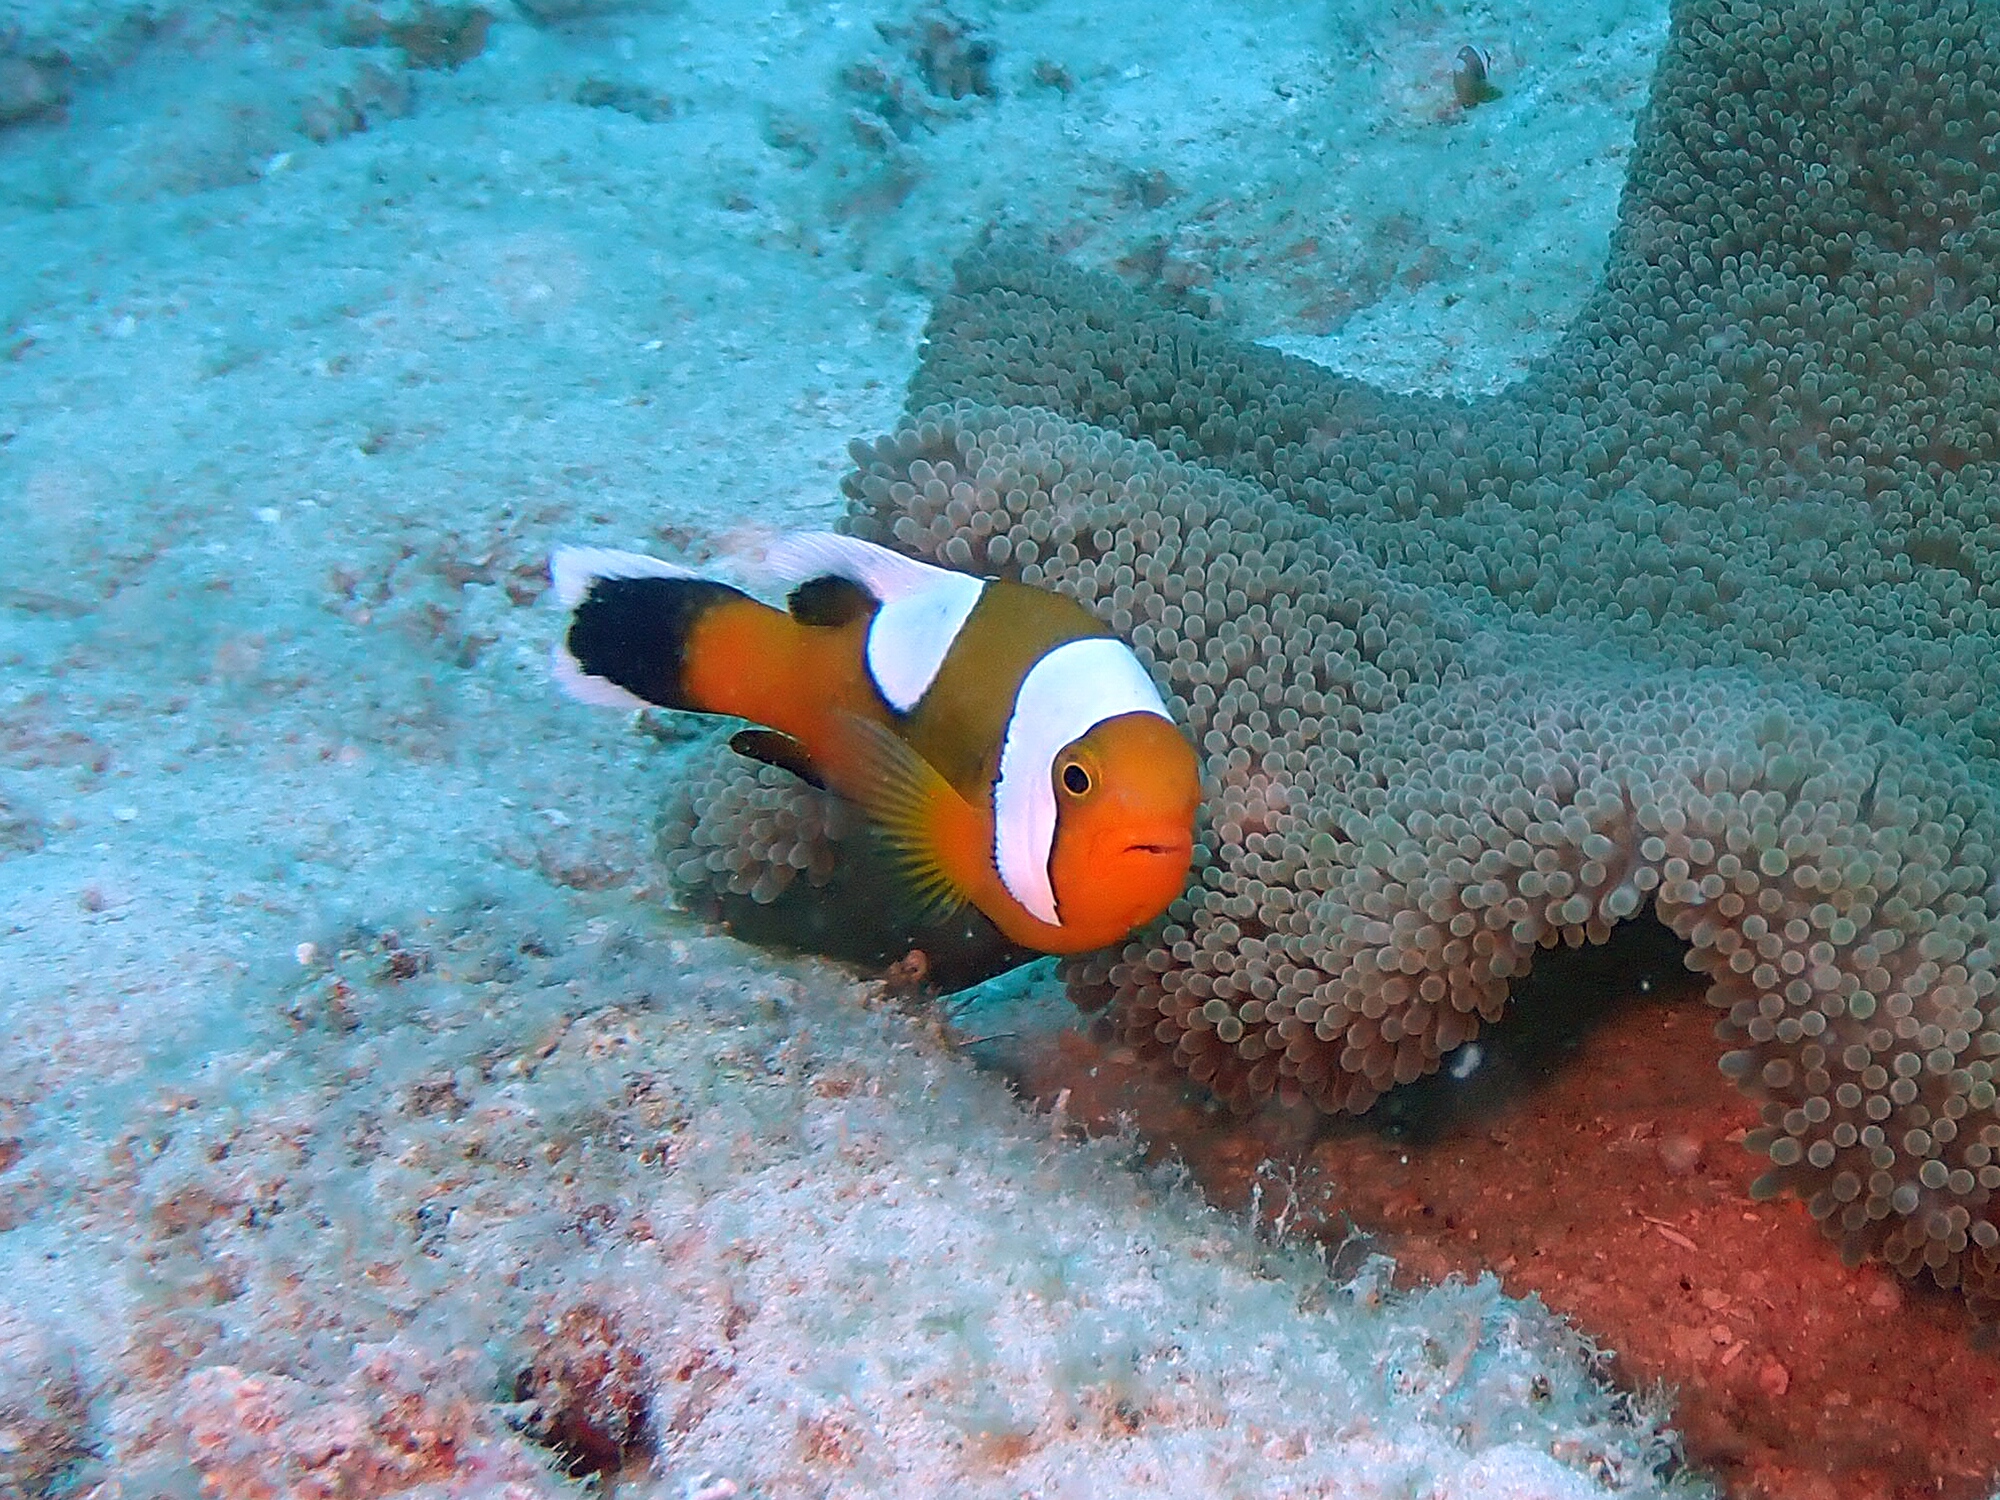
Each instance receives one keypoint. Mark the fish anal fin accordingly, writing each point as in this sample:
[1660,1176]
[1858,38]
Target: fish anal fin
[937,839]
[829,600]
[774,748]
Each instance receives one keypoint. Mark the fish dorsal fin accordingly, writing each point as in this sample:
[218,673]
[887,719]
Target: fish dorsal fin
[780,750]
[884,574]
[923,606]
[929,828]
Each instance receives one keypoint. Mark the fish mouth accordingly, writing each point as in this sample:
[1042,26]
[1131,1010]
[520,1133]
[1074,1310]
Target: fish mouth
[1177,848]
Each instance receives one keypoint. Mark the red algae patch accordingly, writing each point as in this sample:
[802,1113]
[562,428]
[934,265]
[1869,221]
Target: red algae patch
[1615,1187]
[588,1388]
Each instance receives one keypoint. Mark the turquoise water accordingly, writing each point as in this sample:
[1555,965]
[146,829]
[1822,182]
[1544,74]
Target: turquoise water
[370,1120]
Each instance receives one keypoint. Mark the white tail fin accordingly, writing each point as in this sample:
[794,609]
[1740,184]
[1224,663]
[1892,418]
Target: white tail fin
[573,570]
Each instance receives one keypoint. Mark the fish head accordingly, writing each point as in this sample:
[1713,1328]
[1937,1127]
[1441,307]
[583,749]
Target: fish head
[1126,797]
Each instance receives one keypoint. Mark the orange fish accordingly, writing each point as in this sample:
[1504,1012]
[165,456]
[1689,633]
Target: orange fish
[1011,750]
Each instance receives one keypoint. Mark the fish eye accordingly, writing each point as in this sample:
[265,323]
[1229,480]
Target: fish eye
[1075,779]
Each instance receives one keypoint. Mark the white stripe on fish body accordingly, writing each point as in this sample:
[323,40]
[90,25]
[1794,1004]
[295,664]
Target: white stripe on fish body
[923,606]
[910,637]
[1065,695]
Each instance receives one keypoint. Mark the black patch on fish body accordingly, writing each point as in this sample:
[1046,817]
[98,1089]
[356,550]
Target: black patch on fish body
[830,601]
[633,632]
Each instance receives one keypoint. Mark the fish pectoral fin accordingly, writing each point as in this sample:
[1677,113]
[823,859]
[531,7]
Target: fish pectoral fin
[928,828]
[780,750]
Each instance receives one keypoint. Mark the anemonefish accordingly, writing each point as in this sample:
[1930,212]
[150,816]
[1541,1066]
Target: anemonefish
[1012,751]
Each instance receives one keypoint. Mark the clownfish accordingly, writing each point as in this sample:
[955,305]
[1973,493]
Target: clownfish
[1011,750]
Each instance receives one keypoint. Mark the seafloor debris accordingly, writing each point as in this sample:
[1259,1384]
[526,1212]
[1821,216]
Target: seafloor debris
[429,36]
[588,1391]
[1469,83]
[28,90]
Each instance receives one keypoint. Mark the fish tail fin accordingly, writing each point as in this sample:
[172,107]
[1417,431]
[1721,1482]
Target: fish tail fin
[631,640]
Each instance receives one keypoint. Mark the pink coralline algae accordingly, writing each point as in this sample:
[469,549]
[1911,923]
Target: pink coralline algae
[398,1422]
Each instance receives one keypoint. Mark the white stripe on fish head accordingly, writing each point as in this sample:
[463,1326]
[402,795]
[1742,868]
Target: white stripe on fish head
[1065,695]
